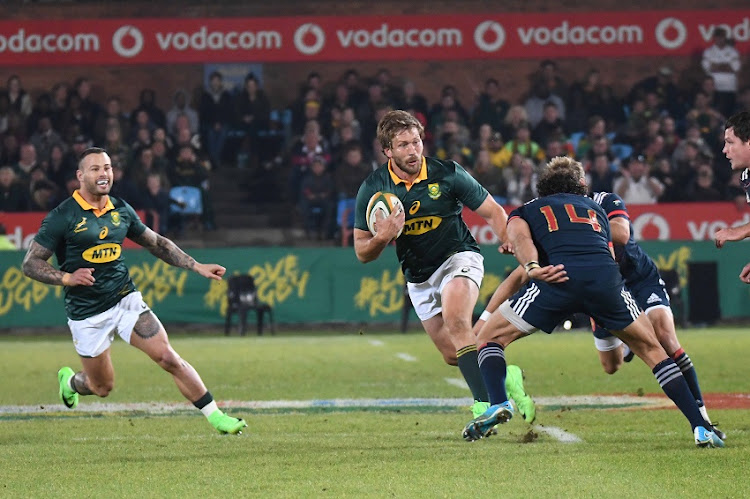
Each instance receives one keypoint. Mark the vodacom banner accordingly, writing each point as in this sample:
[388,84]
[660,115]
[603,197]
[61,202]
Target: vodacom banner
[356,38]
[662,222]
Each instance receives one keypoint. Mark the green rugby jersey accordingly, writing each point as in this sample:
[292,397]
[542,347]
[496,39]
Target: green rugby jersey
[82,236]
[434,229]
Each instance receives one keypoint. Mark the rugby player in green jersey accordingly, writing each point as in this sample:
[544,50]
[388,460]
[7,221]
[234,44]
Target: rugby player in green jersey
[438,255]
[86,232]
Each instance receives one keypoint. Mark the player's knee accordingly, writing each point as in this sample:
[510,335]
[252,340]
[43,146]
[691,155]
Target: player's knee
[611,368]
[450,359]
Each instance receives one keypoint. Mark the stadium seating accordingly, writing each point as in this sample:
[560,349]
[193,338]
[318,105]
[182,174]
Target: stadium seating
[242,297]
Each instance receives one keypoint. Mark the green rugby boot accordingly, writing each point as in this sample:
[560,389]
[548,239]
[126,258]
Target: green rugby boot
[478,408]
[514,387]
[226,424]
[67,395]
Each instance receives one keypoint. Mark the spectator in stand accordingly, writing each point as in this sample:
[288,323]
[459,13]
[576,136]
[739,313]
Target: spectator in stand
[181,106]
[451,136]
[549,74]
[4,112]
[59,105]
[722,61]
[522,145]
[377,155]
[19,99]
[79,144]
[188,171]
[600,177]
[354,85]
[734,191]
[56,167]
[142,138]
[515,117]
[162,158]
[142,121]
[44,196]
[411,99]
[114,144]
[147,103]
[298,108]
[597,128]
[539,96]
[557,146]
[743,100]
[75,120]
[45,138]
[156,202]
[600,146]
[10,150]
[482,141]
[307,148]
[352,170]
[253,114]
[317,204]
[491,108]
[654,150]
[89,107]
[448,102]
[668,130]
[339,99]
[704,188]
[662,83]
[664,173]
[216,115]
[686,168]
[705,117]
[636,185]
[496,151]
[111,114]
[522,182]
[391,92]
[41,110]
[16,127]
[348,119]
[144,166]
[13,196]
[366,111]
[122,186]
[488,175]
[26,162]
[550,126]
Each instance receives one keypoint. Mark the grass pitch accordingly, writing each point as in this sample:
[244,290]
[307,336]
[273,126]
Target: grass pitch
[365,415]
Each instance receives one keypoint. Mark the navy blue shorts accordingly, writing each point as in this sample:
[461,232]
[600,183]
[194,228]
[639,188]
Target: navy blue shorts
[601,294]
[648,293]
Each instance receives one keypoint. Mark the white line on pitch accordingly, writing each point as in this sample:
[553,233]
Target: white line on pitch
[376,343]
[406,357]
[558,434]
[457,382]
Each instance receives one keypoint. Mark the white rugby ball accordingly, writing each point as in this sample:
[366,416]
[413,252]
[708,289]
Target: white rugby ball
[380,206]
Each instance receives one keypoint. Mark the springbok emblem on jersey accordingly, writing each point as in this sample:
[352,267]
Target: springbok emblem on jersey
[433,190]
[80,226]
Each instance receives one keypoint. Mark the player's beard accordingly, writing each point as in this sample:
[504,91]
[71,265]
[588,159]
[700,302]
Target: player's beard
[404,165]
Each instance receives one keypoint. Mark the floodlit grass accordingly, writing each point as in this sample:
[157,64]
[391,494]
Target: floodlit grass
[407,452]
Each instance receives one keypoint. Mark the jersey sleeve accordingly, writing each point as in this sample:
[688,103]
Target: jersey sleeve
[468,190]
[136,227]
[52,231]
[614,207]
[360,208]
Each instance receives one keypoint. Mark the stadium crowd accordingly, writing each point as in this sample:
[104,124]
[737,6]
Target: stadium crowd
[660,142]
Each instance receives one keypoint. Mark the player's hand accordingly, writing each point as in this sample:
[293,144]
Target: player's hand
[210,270]
[745,274]
[552,274]
[390,226]
[81,277]
[724,235]
[506,249]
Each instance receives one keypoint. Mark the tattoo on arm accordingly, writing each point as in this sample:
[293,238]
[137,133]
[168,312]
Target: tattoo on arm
[165,249]
[147,325]
[36,266]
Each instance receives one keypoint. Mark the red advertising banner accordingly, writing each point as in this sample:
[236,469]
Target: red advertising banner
[358,38]
[662,222]
[22,227]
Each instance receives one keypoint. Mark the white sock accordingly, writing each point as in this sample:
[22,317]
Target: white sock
[704,413]
[209,408]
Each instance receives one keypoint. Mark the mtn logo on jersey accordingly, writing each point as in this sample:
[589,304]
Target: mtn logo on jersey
[103,253]
[654,298]
[421,225]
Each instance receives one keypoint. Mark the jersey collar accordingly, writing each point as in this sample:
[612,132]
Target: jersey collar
[422,175]
[86,206]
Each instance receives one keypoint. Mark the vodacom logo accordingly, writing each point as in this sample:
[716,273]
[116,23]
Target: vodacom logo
[303,38]
[671,33]
[480,36]
[641,227]
[127,41]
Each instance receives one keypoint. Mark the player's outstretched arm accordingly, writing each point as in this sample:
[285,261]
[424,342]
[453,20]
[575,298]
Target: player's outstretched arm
[166,250]
[731,234]
[495,216]
[35,266]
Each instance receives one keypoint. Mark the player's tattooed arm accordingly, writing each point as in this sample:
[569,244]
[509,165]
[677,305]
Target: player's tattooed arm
[165,249]
[36,266]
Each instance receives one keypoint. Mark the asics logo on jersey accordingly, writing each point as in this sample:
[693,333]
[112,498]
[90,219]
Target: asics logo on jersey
[80,226]
[103,233]
[414,207]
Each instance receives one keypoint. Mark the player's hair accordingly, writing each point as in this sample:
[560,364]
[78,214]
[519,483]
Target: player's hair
[395,122]
[741,124]
[90,150]
[562,175]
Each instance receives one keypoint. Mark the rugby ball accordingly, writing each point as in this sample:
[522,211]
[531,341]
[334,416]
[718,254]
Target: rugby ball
[380,206]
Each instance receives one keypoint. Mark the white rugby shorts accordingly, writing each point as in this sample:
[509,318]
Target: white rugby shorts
[426,296]
[94,335]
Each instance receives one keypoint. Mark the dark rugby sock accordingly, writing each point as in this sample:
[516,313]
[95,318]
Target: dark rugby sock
[206,404]
[468,363]
[492,364]
[674,385]
[688,371]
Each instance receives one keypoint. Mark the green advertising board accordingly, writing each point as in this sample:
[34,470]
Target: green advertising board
[318,285]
